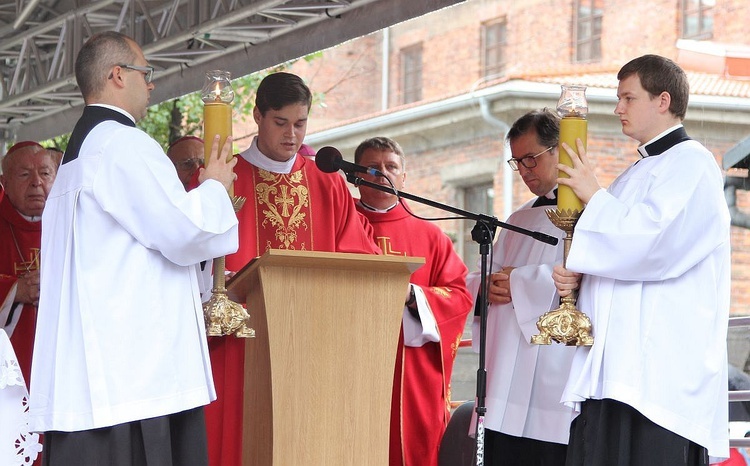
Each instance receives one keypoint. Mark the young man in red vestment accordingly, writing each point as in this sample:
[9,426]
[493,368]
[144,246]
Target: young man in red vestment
[28,172]
[435,310]
[290,204]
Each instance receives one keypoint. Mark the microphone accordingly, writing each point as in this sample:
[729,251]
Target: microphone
[329,160]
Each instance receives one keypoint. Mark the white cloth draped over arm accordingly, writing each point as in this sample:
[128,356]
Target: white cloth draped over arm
[417,332]
[533,294]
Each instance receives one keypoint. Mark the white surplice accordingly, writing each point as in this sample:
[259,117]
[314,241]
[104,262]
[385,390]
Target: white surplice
[120,333]
[655,251]
[525,381]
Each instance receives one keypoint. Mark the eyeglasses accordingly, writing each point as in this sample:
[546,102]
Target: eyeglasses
[148,71]
[528,162]
[188,164]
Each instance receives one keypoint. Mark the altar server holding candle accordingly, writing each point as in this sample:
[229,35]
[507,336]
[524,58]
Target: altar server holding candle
[120,372]
[652,256]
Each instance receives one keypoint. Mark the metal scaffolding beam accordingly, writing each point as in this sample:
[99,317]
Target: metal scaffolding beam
[39,40]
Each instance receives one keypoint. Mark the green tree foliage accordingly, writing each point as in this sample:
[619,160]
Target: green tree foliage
[58,142]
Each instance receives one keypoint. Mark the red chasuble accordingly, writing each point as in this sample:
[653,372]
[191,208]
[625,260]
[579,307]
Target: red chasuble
[305,210]
[19,254]
[421,387]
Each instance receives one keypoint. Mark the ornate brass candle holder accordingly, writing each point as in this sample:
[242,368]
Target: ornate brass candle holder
[565,324]
[222,316]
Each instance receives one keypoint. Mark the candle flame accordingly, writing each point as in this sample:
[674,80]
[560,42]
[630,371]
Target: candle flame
[217,91]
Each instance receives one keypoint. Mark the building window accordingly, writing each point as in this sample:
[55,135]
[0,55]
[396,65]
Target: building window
[588,30]
[697,19]
[411,74]
[478,199]
[494,41]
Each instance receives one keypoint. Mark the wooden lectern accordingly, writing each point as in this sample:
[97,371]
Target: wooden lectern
[319,373]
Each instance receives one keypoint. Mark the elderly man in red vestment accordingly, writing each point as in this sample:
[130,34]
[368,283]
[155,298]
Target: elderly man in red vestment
[291,204]
[186,153]
[435,309]
[28,172]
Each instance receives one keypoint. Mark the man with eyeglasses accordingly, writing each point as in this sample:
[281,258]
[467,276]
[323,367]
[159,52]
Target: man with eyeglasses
[121,371]
[525,422]
[186,154]
[148,71]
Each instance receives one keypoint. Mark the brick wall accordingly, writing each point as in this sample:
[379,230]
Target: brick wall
[539,43]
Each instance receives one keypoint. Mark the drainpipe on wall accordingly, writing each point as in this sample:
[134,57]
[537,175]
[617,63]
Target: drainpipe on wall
[507,172]
[385,69]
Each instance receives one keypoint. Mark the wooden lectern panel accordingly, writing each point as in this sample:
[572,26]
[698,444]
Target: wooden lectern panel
[319,373]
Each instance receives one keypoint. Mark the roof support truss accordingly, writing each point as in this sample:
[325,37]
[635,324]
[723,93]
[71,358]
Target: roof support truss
[39,41]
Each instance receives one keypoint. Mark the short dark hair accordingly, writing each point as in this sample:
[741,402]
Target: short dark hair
[101,52]
[278,90]
[659,74]
[380,143]
[544,123]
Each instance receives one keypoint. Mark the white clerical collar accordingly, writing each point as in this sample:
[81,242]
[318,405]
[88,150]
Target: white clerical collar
[642,149]
[373,209]
[255,157]
[117,109]
[33,218]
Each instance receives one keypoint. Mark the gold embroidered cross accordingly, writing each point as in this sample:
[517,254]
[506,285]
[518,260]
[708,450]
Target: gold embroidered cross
[385,245]
[28,266]
[285,200]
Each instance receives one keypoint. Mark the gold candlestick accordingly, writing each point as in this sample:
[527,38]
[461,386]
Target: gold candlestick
[567,324]
[222,316]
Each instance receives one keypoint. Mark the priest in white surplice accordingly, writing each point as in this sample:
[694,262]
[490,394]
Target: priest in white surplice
[121,370]
[525,422]
[654,251]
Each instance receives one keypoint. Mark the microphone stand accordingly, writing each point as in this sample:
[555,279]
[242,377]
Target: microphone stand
[482,233]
